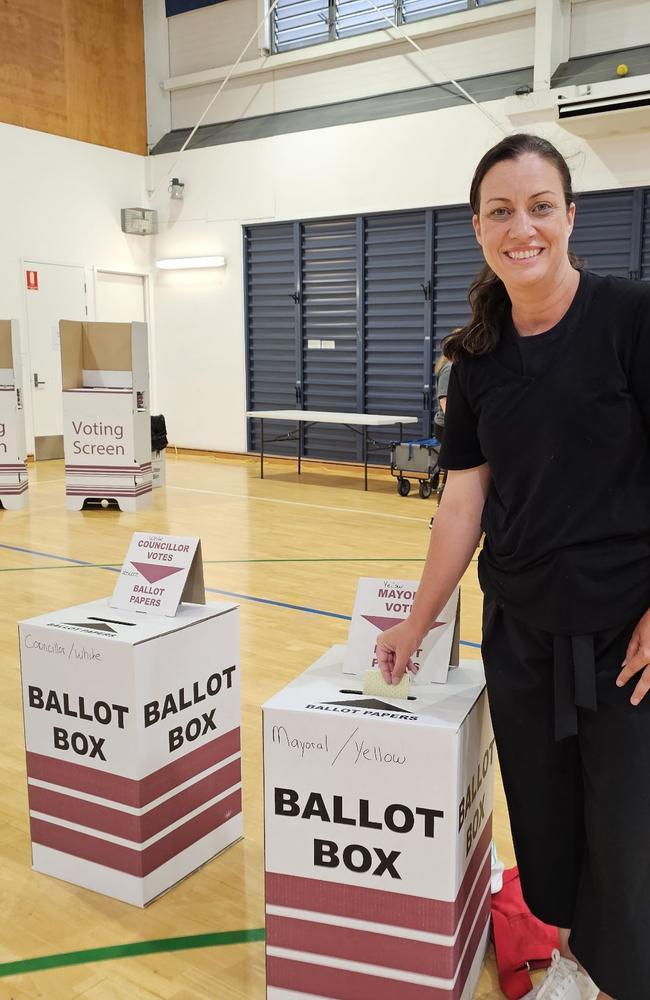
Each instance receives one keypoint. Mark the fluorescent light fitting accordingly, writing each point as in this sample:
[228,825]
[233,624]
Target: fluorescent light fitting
[185,263]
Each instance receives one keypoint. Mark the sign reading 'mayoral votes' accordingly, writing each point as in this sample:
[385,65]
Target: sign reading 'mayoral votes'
[158,573]
[378,606]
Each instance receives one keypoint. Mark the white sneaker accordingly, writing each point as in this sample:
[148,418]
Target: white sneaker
[563,981]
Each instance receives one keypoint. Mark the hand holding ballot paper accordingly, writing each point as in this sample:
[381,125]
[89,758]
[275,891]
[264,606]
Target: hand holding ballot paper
[395,648]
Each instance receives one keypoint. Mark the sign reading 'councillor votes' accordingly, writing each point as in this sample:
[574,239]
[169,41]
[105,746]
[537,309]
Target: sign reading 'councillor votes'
[158,573]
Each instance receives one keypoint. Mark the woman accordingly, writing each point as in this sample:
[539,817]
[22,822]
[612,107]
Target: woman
[552,356]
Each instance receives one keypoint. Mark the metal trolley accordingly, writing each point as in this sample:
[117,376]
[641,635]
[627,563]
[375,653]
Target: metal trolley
[417,460]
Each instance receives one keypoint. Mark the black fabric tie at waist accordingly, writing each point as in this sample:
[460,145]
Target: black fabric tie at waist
[574,667]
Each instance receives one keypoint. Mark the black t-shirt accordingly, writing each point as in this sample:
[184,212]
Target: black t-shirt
[563,421]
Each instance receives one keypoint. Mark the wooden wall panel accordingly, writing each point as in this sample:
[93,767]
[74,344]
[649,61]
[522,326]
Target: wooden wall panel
[75,68]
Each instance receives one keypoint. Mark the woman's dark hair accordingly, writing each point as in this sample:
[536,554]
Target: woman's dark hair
[488,297]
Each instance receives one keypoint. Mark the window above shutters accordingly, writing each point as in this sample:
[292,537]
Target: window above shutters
[300,23]
[417,10]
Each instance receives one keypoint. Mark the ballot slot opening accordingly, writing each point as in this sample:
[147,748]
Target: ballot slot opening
[112,621]
[410,697]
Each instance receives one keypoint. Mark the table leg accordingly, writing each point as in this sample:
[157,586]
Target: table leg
[365,458]
[299,445]
[262,448]
[401,432]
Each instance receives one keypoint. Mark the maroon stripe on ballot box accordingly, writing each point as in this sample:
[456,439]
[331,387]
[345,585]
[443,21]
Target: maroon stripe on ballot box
[130,791]
[374,947]
[378,905]
[126,825]
[13,490]
[342,984]
[134,469]
[128,859]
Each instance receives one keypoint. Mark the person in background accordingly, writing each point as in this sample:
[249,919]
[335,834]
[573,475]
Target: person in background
[442,371]
[552,355]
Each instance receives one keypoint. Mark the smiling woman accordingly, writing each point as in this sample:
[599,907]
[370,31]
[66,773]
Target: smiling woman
[553,358]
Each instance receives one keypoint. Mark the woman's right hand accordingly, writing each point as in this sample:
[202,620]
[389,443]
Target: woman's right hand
[395,648]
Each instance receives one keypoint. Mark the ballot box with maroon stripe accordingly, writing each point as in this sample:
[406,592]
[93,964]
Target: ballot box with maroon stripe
[132,731]
[378,825]
[13,451]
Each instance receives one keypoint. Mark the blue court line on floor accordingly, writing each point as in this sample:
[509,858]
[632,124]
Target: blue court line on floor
[210,590]
[278,604]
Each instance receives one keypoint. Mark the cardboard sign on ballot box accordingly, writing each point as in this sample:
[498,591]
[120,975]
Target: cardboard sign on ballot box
[380,604]
[132,733]
[378,818]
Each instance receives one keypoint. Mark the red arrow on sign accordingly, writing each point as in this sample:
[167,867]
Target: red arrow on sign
[153,573]
[385,623]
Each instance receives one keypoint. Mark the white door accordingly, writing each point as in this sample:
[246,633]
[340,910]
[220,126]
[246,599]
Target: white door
[61,294]
[119,298]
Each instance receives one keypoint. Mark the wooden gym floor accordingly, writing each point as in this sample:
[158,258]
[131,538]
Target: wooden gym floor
[290,549]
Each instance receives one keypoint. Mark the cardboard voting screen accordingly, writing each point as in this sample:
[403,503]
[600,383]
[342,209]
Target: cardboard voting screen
[158,573]
[378,606]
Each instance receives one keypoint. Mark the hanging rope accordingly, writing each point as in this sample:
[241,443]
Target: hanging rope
[393,24]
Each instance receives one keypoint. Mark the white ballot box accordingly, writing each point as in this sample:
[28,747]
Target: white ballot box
[378,834]
[13,451]
[132,733]
[106,415]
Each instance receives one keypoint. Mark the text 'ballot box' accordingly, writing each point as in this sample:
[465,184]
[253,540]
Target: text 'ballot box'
[378,835]
[132,732]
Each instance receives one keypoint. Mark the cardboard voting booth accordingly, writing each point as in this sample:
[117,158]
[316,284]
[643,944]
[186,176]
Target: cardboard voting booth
[13,452]
[132,732]
[106,414]
[380,604]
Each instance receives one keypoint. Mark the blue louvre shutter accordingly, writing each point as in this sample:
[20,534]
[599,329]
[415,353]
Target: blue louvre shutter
[457,261]
[645,239]
[271,328]
[329,290]
[298,23]
[602,235]
[353,17]
[416,10]
[395,269]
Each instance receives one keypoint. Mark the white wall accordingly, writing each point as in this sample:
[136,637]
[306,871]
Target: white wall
[336,171]
[481,42]
[606,25]
[211,36]
[61,202]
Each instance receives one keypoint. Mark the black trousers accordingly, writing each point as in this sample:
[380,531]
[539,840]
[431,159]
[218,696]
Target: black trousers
[579,806]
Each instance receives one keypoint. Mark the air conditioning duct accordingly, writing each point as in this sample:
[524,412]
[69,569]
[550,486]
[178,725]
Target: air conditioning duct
[593,109]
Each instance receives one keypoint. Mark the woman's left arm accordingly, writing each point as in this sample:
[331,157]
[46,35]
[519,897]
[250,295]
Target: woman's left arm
[637,660]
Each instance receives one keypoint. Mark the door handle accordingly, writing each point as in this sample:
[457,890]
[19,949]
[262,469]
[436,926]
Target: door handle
[37,382]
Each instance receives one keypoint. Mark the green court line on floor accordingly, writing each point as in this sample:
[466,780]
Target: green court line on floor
[130,950]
